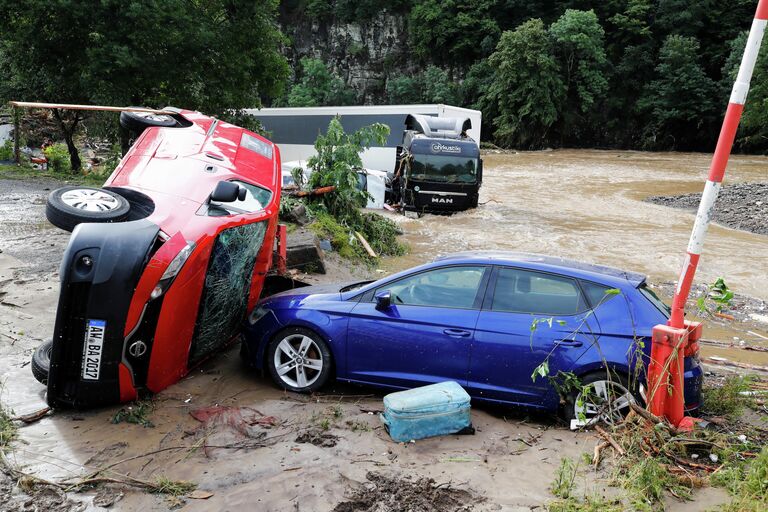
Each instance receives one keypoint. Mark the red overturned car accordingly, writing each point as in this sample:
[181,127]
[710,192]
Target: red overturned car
[164,260]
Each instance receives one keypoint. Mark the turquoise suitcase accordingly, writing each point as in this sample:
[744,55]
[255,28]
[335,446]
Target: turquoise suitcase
[427,411]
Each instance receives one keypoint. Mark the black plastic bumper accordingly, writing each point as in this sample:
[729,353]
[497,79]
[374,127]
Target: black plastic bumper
[99,273]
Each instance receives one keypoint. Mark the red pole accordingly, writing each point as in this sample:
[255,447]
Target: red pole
[669,341]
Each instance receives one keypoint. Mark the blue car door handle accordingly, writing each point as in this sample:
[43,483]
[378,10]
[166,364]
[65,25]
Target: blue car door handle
[457,333]
[568,343]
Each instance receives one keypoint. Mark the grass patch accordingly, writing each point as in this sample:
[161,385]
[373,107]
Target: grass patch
[138,414]
[380,232]
[589,503]
[170,487]
[727,399]
[8,429]
[747,483]
[23,172]
[565,478]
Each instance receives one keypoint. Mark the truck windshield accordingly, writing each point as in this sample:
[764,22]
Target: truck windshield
[444,168]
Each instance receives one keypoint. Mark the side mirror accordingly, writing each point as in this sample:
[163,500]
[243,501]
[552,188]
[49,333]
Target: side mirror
[226,192]
[480,170]
[383,300]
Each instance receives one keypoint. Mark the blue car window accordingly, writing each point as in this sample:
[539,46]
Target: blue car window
[448,287]
[596,293]
[522,291]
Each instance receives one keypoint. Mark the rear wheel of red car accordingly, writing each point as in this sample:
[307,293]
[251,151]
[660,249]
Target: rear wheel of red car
[299,360]
[137,122]
[69,206]
[41,362]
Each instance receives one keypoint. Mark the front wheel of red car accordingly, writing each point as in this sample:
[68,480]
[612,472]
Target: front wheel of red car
[69,206]
[299,360]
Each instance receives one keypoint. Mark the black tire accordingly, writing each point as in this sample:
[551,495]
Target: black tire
[41,362]
[319,351]
[137,122]
[64,214]
[620,380]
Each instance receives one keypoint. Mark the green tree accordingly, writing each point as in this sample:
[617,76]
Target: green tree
[336,164]
[753,130]
[403,90]
[527,90]
[632,49]
[681,100]
[453,32]
[577,38]
[216,56]
[318,86]
[438,87]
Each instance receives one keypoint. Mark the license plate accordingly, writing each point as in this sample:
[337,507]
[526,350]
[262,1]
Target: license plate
[94,341]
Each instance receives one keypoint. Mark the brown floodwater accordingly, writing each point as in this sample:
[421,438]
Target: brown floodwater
[588,205]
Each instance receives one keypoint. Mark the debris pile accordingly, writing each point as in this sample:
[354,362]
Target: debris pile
[383,493]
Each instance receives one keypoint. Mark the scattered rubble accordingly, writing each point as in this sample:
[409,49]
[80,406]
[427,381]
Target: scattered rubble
[318,437]
[740,206]
[391,494]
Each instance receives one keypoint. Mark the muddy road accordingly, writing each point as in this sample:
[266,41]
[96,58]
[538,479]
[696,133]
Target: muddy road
[251,446]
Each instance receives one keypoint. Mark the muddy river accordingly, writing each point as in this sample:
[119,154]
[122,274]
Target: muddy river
[588,205]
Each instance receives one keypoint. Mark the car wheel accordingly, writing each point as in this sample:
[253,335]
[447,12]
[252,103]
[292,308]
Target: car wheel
[299,360]
[69,206]
[602,398]
[41,362]
[137,122]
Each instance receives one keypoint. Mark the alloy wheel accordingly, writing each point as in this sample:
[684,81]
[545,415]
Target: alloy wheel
[298,361]
[602,400]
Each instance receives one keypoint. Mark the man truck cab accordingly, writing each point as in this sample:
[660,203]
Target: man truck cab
[438,167]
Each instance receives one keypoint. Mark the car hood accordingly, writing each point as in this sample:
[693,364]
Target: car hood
[326,290]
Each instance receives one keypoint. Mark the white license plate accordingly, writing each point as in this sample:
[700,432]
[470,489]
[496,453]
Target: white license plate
[94,342]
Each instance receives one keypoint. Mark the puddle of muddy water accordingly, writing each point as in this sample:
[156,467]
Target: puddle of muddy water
[588,205]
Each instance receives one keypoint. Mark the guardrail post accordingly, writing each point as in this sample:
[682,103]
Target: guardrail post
[670,342]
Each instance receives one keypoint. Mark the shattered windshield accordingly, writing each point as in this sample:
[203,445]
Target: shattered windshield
[444,168]
[227,287]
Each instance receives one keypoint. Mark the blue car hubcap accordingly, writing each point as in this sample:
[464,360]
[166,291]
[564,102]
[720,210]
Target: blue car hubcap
[298,361]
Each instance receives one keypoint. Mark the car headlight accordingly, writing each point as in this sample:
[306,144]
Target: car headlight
[257,314]
[172,271]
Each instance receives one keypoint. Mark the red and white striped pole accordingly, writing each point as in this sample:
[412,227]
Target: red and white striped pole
[665,376]
[719,163]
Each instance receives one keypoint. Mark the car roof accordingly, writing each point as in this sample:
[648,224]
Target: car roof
[574,268]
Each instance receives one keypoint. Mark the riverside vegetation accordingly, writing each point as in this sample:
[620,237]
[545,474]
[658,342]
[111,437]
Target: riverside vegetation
[640,74]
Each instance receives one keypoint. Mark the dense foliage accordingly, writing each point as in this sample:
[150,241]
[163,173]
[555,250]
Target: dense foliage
[646,74]
[338,213]
[215,56]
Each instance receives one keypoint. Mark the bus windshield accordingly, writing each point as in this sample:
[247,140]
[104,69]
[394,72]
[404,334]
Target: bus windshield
[444,168]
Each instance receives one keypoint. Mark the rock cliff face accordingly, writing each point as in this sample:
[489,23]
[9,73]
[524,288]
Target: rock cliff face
[363,54]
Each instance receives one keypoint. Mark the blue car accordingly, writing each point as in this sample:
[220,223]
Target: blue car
[510,328]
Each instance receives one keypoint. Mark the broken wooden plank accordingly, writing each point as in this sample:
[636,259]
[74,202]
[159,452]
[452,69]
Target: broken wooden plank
[605,435]
[366,245]
[67,106]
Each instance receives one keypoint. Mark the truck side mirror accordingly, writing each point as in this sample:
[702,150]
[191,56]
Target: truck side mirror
[479,170]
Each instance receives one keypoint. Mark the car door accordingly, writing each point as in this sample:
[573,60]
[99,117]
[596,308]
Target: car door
[425,335]
[528,317]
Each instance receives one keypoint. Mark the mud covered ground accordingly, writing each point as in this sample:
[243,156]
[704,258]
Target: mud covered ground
[740,206]
[242,442]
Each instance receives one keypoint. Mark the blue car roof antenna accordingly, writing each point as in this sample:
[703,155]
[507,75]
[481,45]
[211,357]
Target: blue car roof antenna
[511,257]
